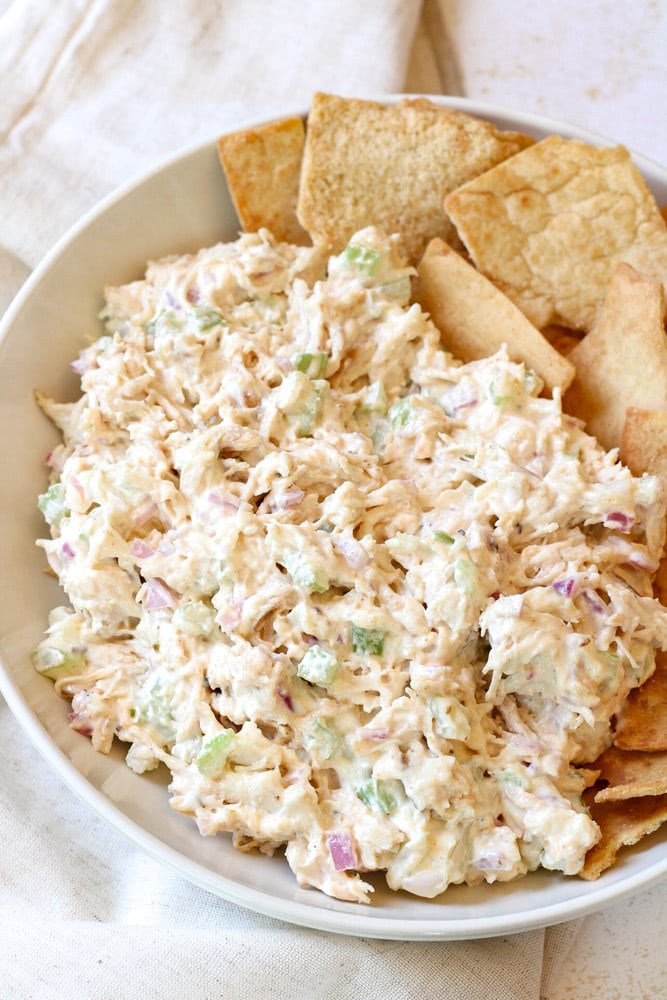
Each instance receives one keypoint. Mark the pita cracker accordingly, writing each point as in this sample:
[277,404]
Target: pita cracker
[475,319]
[262,167]
[629,774]
[622,824]
[642,722]
[622,362]
[549,226]
[390,166]
[644,441]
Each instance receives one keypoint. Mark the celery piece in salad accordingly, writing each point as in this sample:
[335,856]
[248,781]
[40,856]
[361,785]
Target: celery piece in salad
[208,318]
[52,503]
[401,412]
[466,576]
[303,574]
[375,399]
[375,794]
[322,739]
[367,640]
[212,757]
[442,536]
[52,662]
[195,618]
[312,365]
[363,259]
[319,666]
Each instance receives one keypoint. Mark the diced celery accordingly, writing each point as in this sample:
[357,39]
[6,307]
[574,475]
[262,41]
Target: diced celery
[401,412]
[511,776]
[307,414]
[195,618]
[497,396]
[50,661]
[451,721]
[312,365]
[167,321]
[319,666]
[367,640]
[52,503]
[303,574]
[153,707]
[375,399]
[379,432]
[442,536]
[212,757]
[362,259]
[466,576]
[376,795]
[322,739]
[207,318]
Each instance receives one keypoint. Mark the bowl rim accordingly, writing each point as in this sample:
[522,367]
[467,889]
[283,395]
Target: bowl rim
[292,911]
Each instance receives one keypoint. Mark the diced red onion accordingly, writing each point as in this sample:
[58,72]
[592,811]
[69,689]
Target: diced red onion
[376,734]
[144,513]
[287,500]
[285,697]
[352,551]
[642,561]
[310,640]
[230,616]
[342,851]
[79,366]
[593,601]
[157,595]
[73,481]
[66,551]
[226,500]
[492,862]
[465,404]
[617,519]
[80,722]
[172,301]
[192,295]
[140,550]
[565,587]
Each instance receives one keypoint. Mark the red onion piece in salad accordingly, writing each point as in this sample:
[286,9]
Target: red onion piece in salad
[157,594]
[140,550]
[342,851]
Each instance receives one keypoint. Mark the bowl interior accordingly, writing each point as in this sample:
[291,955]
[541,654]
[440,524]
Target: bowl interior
[179,207]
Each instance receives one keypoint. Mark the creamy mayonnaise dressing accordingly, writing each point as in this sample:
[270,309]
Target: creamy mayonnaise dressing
[362,600]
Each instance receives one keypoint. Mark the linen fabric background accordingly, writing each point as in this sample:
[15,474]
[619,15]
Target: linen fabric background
[93,93]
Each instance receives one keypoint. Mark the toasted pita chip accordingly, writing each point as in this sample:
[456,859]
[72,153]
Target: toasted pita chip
[622,824]
[390,166]
[623,361]
[644,441]
[629,774]
[549,226]
[476,319]
[642,722]
[262,167]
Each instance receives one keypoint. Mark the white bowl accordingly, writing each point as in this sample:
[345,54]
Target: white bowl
[180,206]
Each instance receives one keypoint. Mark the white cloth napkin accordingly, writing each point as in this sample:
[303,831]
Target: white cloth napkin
[93,91]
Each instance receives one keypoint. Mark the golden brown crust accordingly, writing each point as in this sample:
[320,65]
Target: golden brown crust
[367,163]
[622,362]
[262,167]
[476,319]
[621,824]
[550,225]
